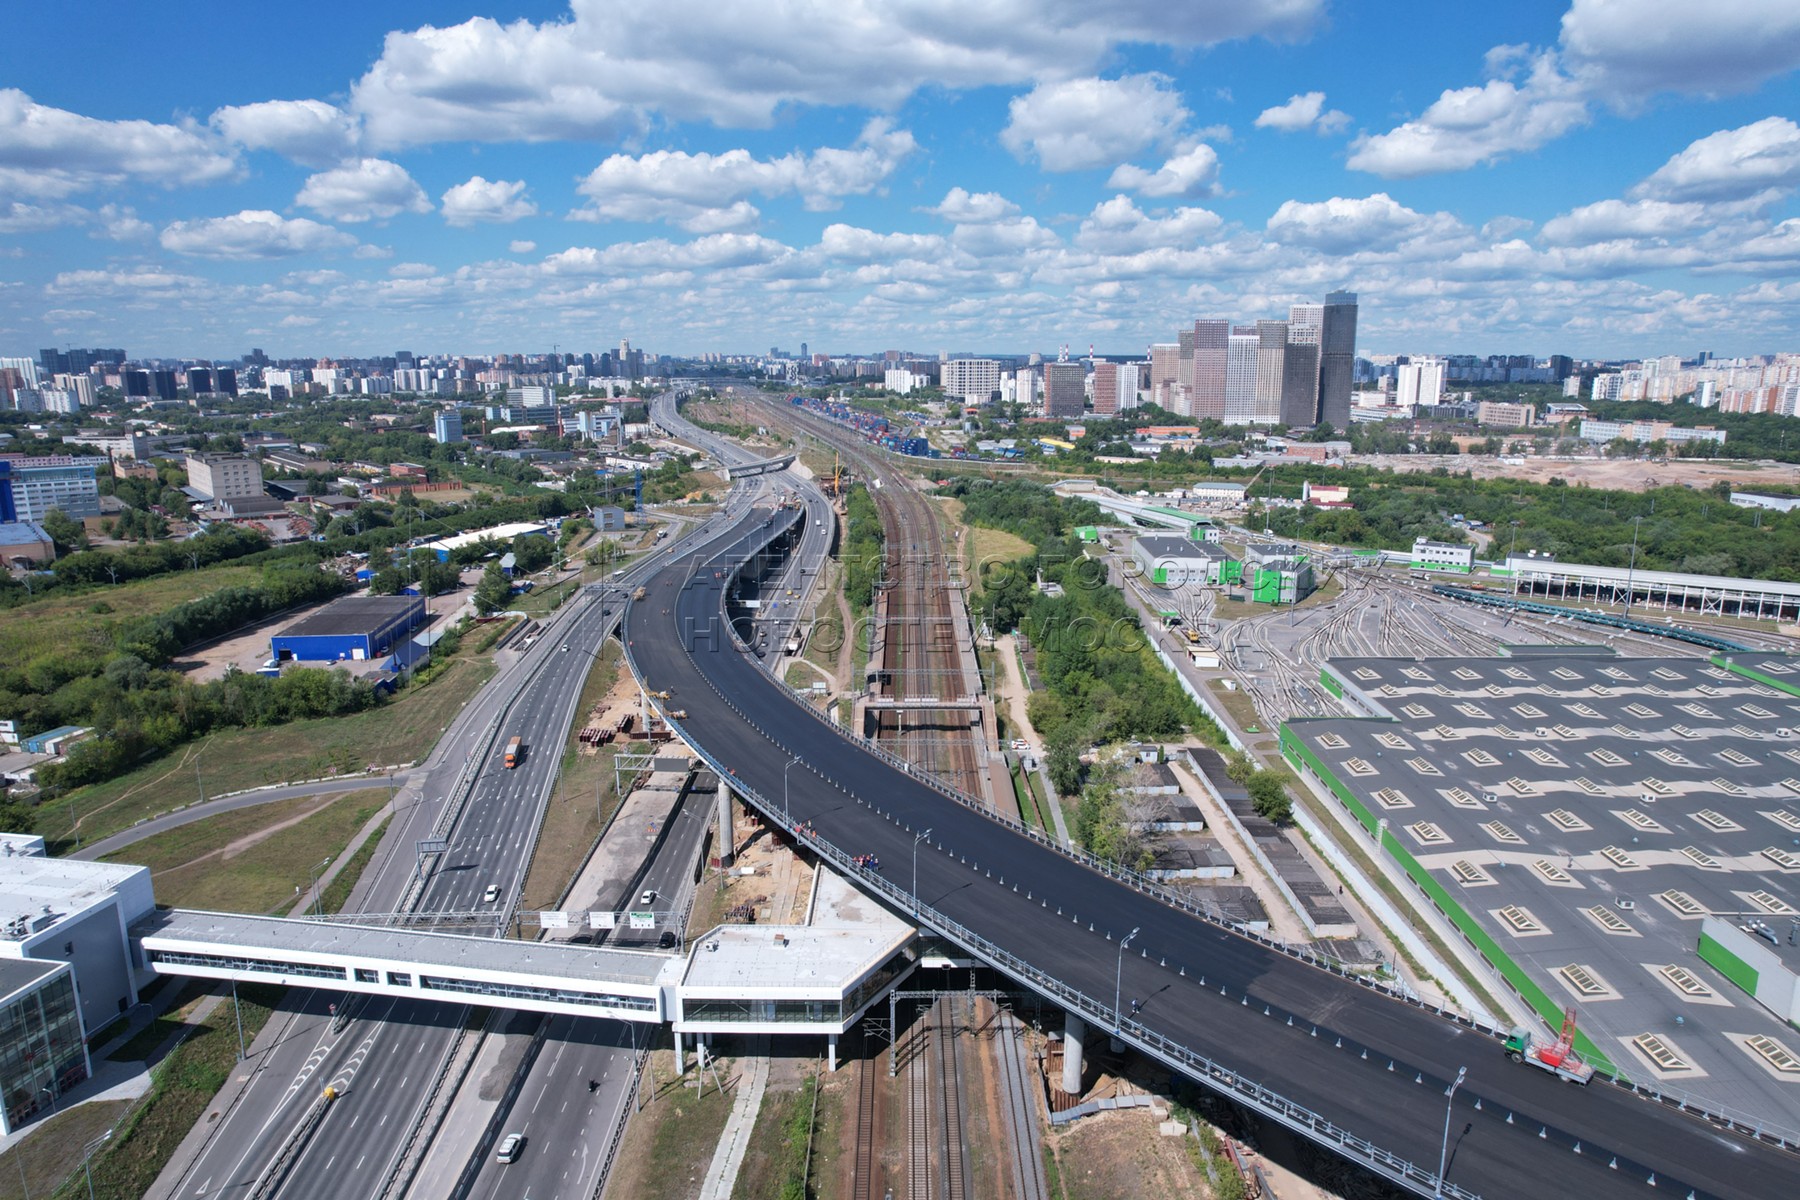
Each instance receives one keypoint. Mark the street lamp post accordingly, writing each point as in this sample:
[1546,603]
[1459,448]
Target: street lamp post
[786,810]
[313,875]
[915,888]
[1631,571]
[87,1154]
[1119,975]
[1444,1149]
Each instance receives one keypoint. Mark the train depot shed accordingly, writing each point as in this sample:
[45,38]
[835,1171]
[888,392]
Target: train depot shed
[353,629]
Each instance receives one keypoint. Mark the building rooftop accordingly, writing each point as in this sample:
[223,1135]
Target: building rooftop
[561,960]
[30,882]
[1588,812]
[17,974]
[1173,545]
[849,936]
[352,614]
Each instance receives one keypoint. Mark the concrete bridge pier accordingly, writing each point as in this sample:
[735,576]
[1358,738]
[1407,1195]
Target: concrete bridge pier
[726,845]
[680,1051]
[1074,1030]
[831,1040]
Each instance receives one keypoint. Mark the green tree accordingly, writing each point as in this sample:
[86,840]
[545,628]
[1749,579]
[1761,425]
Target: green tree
[494,592]
[532,552]
[1269,797]
[64,530]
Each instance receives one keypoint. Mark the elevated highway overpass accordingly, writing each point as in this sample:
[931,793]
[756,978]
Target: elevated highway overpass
[1349,1067]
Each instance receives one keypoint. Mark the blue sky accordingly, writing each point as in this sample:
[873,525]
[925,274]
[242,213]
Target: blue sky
[1596,177]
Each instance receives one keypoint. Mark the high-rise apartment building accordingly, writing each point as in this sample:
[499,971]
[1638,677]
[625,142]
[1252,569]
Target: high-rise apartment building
[447,426]
[1106,388]
[1419,383]
[975,380]
[1337,358]
[1240,375]
[1301,385]
[1065,389]
[1212,339]
[1271,359]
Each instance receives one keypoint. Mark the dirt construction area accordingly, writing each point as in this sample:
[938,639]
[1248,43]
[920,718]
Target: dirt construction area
[1619,474]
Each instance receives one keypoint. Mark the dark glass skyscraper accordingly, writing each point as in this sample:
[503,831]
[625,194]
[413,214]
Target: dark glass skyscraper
[1337,358]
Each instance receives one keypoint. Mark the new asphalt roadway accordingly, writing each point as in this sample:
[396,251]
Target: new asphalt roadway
[1375,1067]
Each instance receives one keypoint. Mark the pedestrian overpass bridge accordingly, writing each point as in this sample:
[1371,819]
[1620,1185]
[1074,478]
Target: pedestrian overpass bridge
[760,467]
[814,979]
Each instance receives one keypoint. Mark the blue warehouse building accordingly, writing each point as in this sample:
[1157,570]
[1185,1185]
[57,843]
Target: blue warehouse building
[356,628]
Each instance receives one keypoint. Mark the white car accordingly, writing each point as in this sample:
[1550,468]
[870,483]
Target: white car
[510,1148]
[492,894]
[648,898]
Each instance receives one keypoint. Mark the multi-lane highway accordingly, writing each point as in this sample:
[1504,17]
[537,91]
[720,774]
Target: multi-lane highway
[388,1057]
[1370,1066]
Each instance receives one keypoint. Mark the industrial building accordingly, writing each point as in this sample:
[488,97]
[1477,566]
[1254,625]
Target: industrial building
[1278,573]
[1428,555]
[1709,595]
[39,484]
[66,967]
[1171,561]
[353,629]
[1577,818]
[25,541]
[220,477]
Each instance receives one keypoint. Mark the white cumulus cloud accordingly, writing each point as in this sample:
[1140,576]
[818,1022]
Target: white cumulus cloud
[1612,220]
[496,200]
[521,246]
[611,68]
[369,189]
[1190,172]
[1617,53]
[1118,226]
[1304,111]
[311,132]
[1347,225]
[1079,124]
[51,152]
[1467,126]
[253,234]
[973,208]
[707,192]
[1731,164]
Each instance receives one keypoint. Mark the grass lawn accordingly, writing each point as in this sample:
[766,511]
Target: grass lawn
[669,1144]
[142,1044]
[983,545]
[402,730]
[65,623]
[572,819]
[52,1151]
[253,860]
[185,1084]
[337,894]
[1237,703]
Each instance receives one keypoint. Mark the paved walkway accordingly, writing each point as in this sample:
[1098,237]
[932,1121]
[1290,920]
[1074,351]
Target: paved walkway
[728,1159]
[1016,696]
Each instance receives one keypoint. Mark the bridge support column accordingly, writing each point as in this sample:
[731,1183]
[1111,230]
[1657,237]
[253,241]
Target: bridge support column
[726,845]
[1074,1029]
[680,1051]
[831,1052]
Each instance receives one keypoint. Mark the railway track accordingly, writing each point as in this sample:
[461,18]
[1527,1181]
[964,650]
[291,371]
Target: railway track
[1017,1097]
[865,1163]
[953,1166]
[918,1115]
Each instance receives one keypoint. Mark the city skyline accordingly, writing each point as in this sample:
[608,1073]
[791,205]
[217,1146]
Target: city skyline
[1544,178]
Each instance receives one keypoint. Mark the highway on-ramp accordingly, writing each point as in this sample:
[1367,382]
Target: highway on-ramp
[1375,1068]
